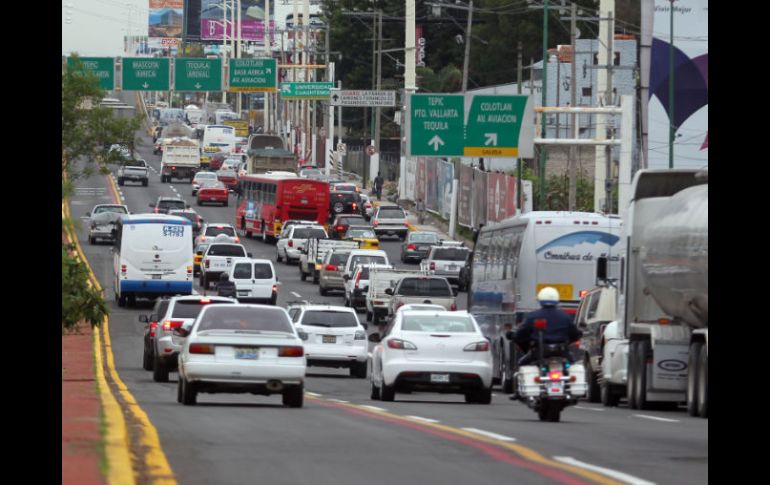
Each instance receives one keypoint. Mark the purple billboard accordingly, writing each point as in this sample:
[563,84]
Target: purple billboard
[252,20]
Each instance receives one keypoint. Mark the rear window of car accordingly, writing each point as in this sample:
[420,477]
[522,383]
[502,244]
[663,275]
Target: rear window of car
[366,259]
[226,173]
[216,231]
[338,258]
[212,184]
[363,233]
[350,221]
[344,196]
[450,254]
[242,271]
[308,232]
[435,323]
[424,287]
[207,176]
[109,208]
[246,319]
[171,204]
[191,308]
[391,214]
[423,237]
[226,250]
[262,271]
[319,318]
[135,163]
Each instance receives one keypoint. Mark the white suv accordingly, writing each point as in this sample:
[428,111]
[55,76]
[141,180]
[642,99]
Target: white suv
[332,336]
[290,245]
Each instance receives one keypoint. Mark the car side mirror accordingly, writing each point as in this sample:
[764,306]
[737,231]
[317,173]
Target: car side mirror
[346,278]
[375,337]
[144,319]
[509,334]
[365,325]
[389,291]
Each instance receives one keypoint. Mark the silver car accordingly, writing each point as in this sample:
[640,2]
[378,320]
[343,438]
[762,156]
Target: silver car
[447,262]
[390,220]
[330,277]
[103,218]
[417,245]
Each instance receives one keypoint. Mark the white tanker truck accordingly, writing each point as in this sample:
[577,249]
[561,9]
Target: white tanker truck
[657,350]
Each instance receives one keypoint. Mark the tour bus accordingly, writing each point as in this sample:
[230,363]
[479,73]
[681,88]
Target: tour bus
[217,138]
[515,258]
[153,256]
[266,200]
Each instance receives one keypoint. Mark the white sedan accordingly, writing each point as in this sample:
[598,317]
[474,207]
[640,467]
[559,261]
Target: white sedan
[245,348]
[436,351]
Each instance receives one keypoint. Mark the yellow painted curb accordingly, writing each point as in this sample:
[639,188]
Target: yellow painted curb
[159,471]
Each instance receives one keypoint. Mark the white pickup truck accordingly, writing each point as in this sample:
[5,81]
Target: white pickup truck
[218,259]
[134,170]
[314,252]
[377,301]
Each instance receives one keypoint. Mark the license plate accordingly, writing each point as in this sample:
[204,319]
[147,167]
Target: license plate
[243,293]
[422,248]
[329,339]
[439,378]
[212,198]
[452,267]
[555,389]
[156,276]
[247,353]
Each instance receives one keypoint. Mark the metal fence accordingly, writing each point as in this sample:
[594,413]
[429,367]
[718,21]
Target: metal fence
[356,157]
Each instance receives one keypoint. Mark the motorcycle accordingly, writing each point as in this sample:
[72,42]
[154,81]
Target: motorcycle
[553,383]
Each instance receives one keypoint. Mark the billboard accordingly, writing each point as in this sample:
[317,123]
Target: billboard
[690,117]
[165,21]
[212,27]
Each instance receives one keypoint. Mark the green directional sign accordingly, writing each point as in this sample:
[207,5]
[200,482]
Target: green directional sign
[102,67]
[253,75]
[494,126]
[197,74]
[145,74]
[306,90]
[436,124]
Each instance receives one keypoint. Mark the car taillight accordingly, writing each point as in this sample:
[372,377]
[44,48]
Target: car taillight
[396,343]
[482,346]
[207,263]
[411,246]
[189,269]
[432,266]
[293,351]
[330,267]
[355,206]
[275,288]
[152,328]
[375,223]
[291,243]
[171,324]
[340,228]
[122,268]
[453,307]
[201,349]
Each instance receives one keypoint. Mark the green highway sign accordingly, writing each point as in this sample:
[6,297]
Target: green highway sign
[253,75]
[494,125]
[435,124]
[197,74]
[102,67]
[306,90]
[146,74]
[497,126]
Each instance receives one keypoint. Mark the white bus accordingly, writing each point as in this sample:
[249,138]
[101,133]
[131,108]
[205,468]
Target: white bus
[216,138]
[153,256]
[517,257]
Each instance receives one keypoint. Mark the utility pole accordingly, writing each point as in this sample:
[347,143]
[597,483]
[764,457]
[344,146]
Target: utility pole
[266,30]
[544,103]
[573,103]
[466,59]
[605,61]
[375,159]
[328,120]
[609,102]
[410,84]
[519,198]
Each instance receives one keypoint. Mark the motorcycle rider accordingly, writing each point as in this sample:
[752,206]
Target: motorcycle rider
[559,328]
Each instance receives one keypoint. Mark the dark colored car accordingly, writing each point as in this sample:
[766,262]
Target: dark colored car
[166,204]
[417,245]
[344,203]
[192,216]
[341,223]
[150,322]
[465,273]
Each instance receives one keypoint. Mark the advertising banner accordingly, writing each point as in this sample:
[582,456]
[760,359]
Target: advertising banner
[479,198]
[411,178]
[165,21]
[252,20]
[465,199]
[511,197]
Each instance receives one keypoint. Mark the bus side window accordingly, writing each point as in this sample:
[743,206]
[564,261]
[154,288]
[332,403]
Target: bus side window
[272,195]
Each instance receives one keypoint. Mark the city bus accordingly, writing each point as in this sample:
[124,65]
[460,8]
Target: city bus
[265,201]
[515,258]
[216,138]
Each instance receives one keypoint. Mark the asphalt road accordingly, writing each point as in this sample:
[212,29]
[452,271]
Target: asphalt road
[236,439]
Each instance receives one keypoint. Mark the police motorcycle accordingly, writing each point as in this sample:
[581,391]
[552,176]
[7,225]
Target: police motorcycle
[552,383]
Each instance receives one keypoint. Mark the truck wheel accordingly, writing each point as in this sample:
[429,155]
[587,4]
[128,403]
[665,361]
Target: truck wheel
[159,369]
[608,397]
[693,372]
[642,349]
[293,396]
[145,182]
[122,300]
[189,393]
[302,274]
[375,395]
[592,389]
[631,384]
[316,276]
[120,181]
[387,393]
[703,384]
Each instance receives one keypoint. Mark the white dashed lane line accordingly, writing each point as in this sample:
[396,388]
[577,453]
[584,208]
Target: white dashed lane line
[373,408]
[296,295]
[655,418]
[589,409]
[490,434]
[624,477]
[427,420]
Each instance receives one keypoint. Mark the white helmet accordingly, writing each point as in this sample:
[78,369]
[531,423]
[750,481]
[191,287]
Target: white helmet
[548,296]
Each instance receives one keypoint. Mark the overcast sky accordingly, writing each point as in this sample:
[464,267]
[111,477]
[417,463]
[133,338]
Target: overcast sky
[98,26]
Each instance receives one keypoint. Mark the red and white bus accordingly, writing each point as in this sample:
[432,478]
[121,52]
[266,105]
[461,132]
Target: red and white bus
[265,201]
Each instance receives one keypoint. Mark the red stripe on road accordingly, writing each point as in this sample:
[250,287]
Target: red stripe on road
[490,450]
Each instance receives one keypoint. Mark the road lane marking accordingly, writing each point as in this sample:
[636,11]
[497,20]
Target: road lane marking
[338,400]
[625,477]
[490,434]
[666,420]
[589,409]
[313,394]
[297,295]
[427,420]
[373,408]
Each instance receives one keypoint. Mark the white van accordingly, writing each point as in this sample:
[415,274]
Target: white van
[153,256]
[254,280]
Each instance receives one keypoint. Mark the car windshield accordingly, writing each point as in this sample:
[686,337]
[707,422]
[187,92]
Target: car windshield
[424,287]
[246,319]
[454,254]
[110,208]
[438,323]
[323,318]
[226,250]
[391,214]
[308,232]
[217,230]
[338,258]
[366,259]
[171,204]
[191,308]
[361,233]
[423,237]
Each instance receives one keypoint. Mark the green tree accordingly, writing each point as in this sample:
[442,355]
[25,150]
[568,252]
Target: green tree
[79,301]
[557,191]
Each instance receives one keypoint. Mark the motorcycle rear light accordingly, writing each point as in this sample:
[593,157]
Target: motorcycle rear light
[330,267]
[411,246]
[554,376]
[340,228]
[171,324]
[355,206]
[152,328]
[396,343]
[453,307]
[189,269]
[376,223]
[293,351]
[201,349]
[482,346]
